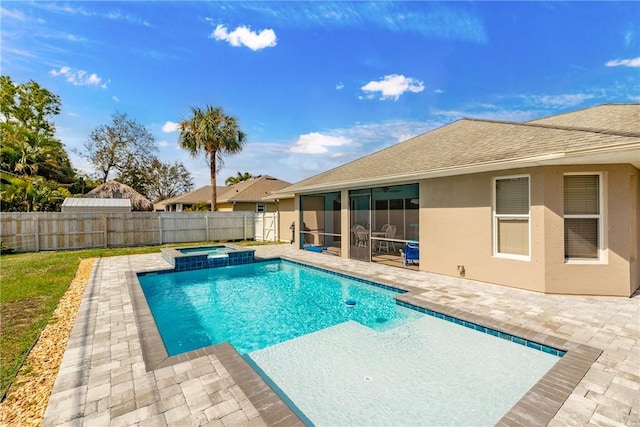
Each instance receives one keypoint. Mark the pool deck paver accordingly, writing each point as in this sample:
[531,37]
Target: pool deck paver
[104,378]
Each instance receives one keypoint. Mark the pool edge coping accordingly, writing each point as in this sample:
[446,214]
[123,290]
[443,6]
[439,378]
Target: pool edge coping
[537,406]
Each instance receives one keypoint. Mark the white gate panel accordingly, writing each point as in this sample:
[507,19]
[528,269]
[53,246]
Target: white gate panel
[266,226]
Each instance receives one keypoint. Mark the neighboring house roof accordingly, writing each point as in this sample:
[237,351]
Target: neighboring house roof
[471,146]
[199,195]
[252,190]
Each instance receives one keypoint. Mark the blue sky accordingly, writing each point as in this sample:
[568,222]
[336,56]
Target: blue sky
[317,84]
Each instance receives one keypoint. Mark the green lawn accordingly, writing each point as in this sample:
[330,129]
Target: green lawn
[31,284]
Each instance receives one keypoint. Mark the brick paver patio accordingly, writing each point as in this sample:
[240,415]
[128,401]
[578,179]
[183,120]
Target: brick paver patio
[109,376]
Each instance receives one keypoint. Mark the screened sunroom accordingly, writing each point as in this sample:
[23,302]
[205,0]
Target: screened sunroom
[380,222]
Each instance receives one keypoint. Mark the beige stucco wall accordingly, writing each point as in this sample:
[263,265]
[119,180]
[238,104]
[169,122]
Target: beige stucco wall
[456,229]
[245,207]
[617,273]
[286,215]
[313,218]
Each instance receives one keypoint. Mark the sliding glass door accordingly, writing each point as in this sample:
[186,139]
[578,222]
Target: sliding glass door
[360,224]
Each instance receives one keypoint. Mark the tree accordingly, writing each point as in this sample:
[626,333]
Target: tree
[167,180]
[35,166]
[121,144]
[213,133]
[134,172]
[83,183]
[31,194]
[28,105]
[238,178]
[29,146]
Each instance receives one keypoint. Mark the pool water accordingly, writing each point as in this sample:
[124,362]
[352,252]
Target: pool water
[257,305]
[342,351]
[429,372]
[211,251]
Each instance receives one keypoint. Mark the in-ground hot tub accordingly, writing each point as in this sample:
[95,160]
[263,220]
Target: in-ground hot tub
[195,257]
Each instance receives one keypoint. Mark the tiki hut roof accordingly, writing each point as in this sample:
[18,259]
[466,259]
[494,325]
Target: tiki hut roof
[117,190]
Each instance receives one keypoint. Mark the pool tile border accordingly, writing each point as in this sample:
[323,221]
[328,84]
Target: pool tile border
[485,329]
[537,407]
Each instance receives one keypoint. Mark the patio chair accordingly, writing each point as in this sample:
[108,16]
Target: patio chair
[389,233]
[361,235]
[411,253]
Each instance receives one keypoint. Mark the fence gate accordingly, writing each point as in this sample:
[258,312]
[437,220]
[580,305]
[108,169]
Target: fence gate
[266,226]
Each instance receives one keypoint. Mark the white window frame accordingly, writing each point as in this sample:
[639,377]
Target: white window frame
[601,252]
[264,207]
[497,217]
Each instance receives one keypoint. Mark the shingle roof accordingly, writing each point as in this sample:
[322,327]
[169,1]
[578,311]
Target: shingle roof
[199,195]
[251,190]
[470,145]
[617,118]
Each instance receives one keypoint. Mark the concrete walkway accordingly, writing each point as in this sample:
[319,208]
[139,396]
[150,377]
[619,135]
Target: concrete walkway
[105,379]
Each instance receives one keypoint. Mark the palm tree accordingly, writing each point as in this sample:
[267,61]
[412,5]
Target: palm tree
[212,132]
[238,178]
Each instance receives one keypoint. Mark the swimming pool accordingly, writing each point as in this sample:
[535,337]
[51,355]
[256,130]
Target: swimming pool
[384,364]
[256,305]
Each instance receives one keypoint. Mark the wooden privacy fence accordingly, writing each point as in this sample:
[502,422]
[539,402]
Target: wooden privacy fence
[42,231]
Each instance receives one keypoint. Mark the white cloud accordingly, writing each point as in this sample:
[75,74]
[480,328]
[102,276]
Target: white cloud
[340,86]
[163,143]
[431,19]
[565,100]
[115,98]
[317,143]
[13,14]
[18,16]
[243,36]
[628,38]
[125,17]
[169,127]
[78,77]
[392,86]
[633,62]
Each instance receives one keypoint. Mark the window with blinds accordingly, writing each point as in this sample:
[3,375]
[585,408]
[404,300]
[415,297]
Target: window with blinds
[511,217]
[582,219]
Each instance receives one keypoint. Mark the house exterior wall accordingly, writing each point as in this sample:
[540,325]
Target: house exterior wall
[313,218]
[286,215]
[456,229]
[245,207]
[617,273]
